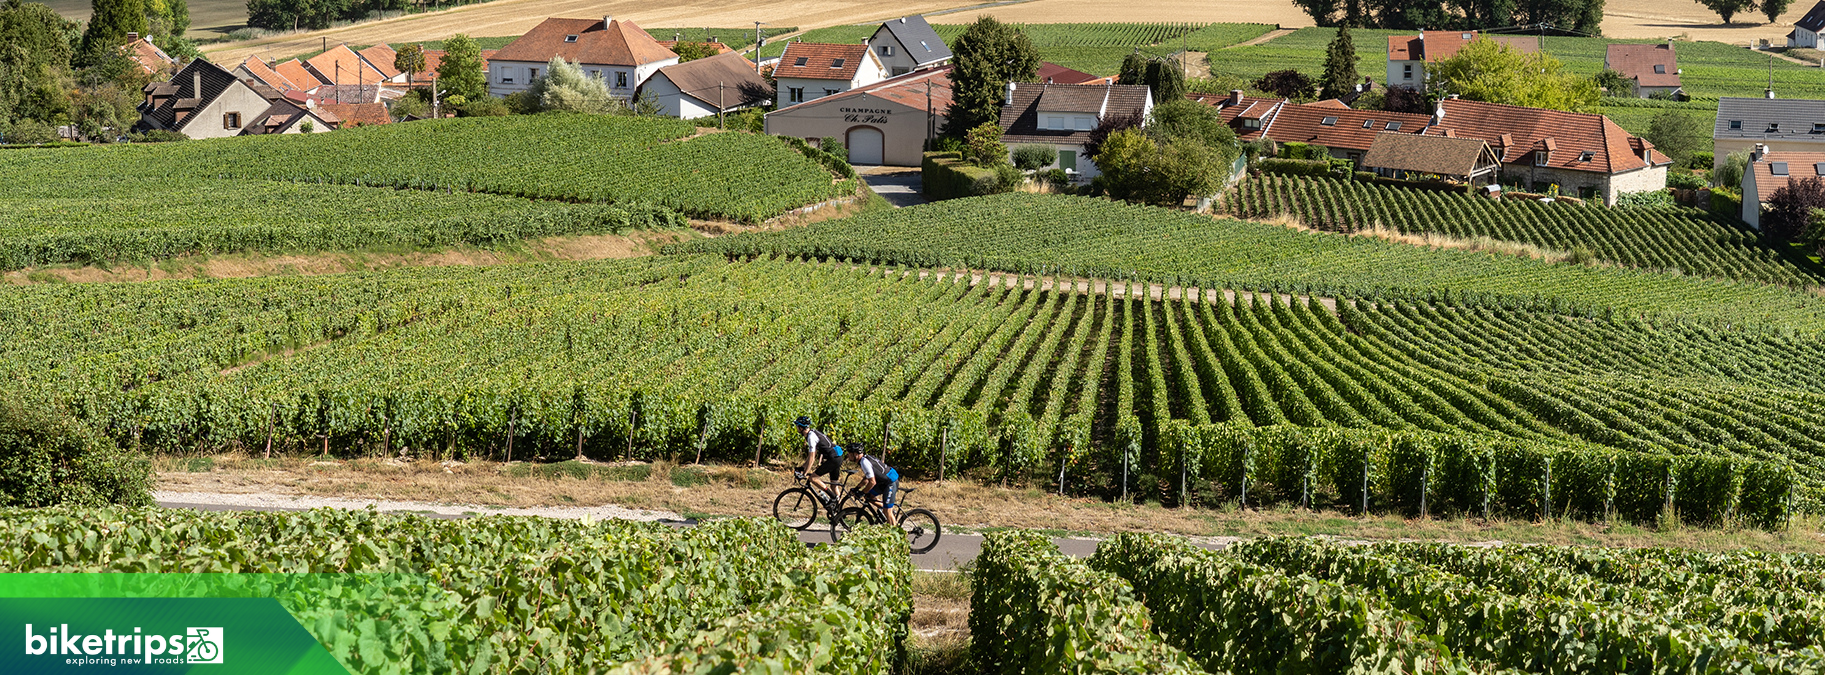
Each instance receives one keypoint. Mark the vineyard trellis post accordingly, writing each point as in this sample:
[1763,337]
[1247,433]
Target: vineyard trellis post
[760,438]
[1547,485]
[579,442]
[1365,482]
[944,439]
[633,417]
[512,427]
[271,420]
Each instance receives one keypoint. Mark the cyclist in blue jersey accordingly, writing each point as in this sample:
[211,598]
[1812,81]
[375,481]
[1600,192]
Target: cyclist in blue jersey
[880,482]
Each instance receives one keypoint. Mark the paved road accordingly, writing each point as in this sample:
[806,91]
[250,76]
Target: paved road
[897,184]
[953,550]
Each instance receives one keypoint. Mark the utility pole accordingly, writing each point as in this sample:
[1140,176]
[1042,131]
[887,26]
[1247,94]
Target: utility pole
[720,123]
[435,113]
[758,43]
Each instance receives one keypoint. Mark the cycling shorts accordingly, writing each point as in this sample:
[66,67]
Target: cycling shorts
[888,490]
[829,466]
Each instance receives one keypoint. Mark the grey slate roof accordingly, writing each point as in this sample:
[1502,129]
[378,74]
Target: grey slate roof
[167,114]
[1814,20]
[1791,118]
[917,38]
[1020,120]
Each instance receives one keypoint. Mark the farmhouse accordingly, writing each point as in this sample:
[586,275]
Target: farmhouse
[1407,156]
[887,122]
[287,117]
[1248,116]
[1582,154]
[1346,132]
[1772,170]
[907,44]
[205,101]
[148,56]
[1654,68]
[1806,30]
[809,71]
[1409,54]
[1783,125]
[1060,116]
[617,52]
[706,86]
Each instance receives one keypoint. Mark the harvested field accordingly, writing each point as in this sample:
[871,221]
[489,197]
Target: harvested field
[1173,11]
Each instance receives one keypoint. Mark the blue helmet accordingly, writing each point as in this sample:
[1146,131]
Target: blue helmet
[802,422]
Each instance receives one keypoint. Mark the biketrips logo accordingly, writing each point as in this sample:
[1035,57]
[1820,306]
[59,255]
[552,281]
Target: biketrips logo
[110,648]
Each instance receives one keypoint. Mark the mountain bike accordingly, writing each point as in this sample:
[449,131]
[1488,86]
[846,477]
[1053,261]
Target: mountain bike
[921,527]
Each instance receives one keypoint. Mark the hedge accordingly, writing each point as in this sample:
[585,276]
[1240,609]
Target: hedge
[48,458]
[1034,610]
[1294,167]
[944,175]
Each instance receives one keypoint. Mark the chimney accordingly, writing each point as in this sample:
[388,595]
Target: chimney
[1451,96]
[606,21]
[196,83]
[1010,96]
[1761,150]
[132,37]
[1235,97]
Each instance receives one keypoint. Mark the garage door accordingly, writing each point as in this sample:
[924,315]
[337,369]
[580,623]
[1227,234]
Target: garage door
[865,146]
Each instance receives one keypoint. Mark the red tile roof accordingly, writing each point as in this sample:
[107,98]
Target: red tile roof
[718,46]
[1648,65]
[1057,74]
[1516,132]
[1436,45]
[1347,128]
[265,74]
[1799,165]
[620,43]
[1235,110]
[908,90]
[381,57]
[358,114]
[300,77]
[821,61]
[341,65]
[149,57]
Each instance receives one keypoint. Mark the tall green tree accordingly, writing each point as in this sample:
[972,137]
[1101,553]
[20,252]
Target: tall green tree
[1134,69]
[36,46]
[1490,71]
[1340,76]
[109,26]
[988,55]
[410,59]
[1728,9]
[1678,134]
[1774,8]
[1166,79]
[460,73]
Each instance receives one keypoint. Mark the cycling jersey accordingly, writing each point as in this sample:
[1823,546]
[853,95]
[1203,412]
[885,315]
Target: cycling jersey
[819,444]
[878,470]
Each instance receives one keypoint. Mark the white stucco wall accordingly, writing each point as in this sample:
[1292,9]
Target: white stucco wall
[238,98]
[673,102]
[520,74]
[903,129]
[1724,146]
[1803,38]
[1397,75]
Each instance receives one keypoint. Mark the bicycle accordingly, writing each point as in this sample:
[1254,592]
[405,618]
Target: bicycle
[797,506]
[920,525]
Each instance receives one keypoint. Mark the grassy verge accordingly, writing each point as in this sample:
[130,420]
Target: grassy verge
[963,505]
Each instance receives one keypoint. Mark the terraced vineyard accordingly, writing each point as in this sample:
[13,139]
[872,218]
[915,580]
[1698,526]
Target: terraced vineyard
[1077,236]
[503,178]
[1082,383]
[1668,239]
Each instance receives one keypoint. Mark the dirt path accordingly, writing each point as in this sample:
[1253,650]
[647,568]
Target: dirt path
[1278,33]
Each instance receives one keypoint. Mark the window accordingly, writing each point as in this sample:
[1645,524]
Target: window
[570,38]
[1328,121]
[1393,126]
[1586,156]
[1540,157]
[596,74]
[621,78]
[1660,69]
[1085,123]
[1819,168]
[1779,168]
[1773,127]
[1818,128]
[1407,72]
[832,92]
[926,46]
[1736,124]
[837,63]
[1368,123]
[506,75]
[532,74]
[799,61]
[1587,192]
[1251,123]
[1067,160]
[1468,36]
[795,94]
[886,50]
[1054,122]
[231,120]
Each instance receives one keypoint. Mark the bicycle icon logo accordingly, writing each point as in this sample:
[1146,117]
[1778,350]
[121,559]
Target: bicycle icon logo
[203,646]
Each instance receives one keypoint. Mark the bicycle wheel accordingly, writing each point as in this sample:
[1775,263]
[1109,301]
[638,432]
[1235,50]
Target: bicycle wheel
[847,520]
[922,530]
[795,508]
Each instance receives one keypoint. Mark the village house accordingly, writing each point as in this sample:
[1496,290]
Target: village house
[1781,124]
[1248,116]
[1061,116]
[203,100]
[724,83]
[809,71]
[907,44]
[618,52]
[149,58]
[1585,155]
[1806,30]
[888,122]
[1344,132]
[1409,54]
[1653,68]
[1769,171]
[1410,157]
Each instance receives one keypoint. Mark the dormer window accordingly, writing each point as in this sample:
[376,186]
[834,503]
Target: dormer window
[1393,126]
[1588,155]
[836,63]
[1468,36]
[1251,123]
[926,46]
[1774,127]
[1328,121]
[1779,168]
[1540,157]
[1818,127]
[570,38]
[800,61]
[1819,168]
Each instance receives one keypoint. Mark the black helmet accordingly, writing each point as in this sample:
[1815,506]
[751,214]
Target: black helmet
[802,422]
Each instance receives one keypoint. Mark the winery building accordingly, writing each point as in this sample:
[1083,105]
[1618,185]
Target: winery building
[887,122]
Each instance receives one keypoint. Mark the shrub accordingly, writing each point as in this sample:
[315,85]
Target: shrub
[159,136]
[1056,177]
[1032,157]
[1727,202]
[48,458]
[1294,167]
[28,132]
[1702,159]
[1655,198]
[944,175]
[1685,180]
[833,146]
[982,145]
[1007,177]
[492,107]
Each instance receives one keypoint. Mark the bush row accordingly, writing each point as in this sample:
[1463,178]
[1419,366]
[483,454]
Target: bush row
[481,228]
[1033,610]
[838,165]
[944,175]
[1415,472]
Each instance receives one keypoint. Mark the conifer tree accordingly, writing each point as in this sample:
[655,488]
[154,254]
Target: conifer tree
[1340,76]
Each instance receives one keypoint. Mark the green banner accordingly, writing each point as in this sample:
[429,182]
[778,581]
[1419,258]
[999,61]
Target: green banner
[214,624]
